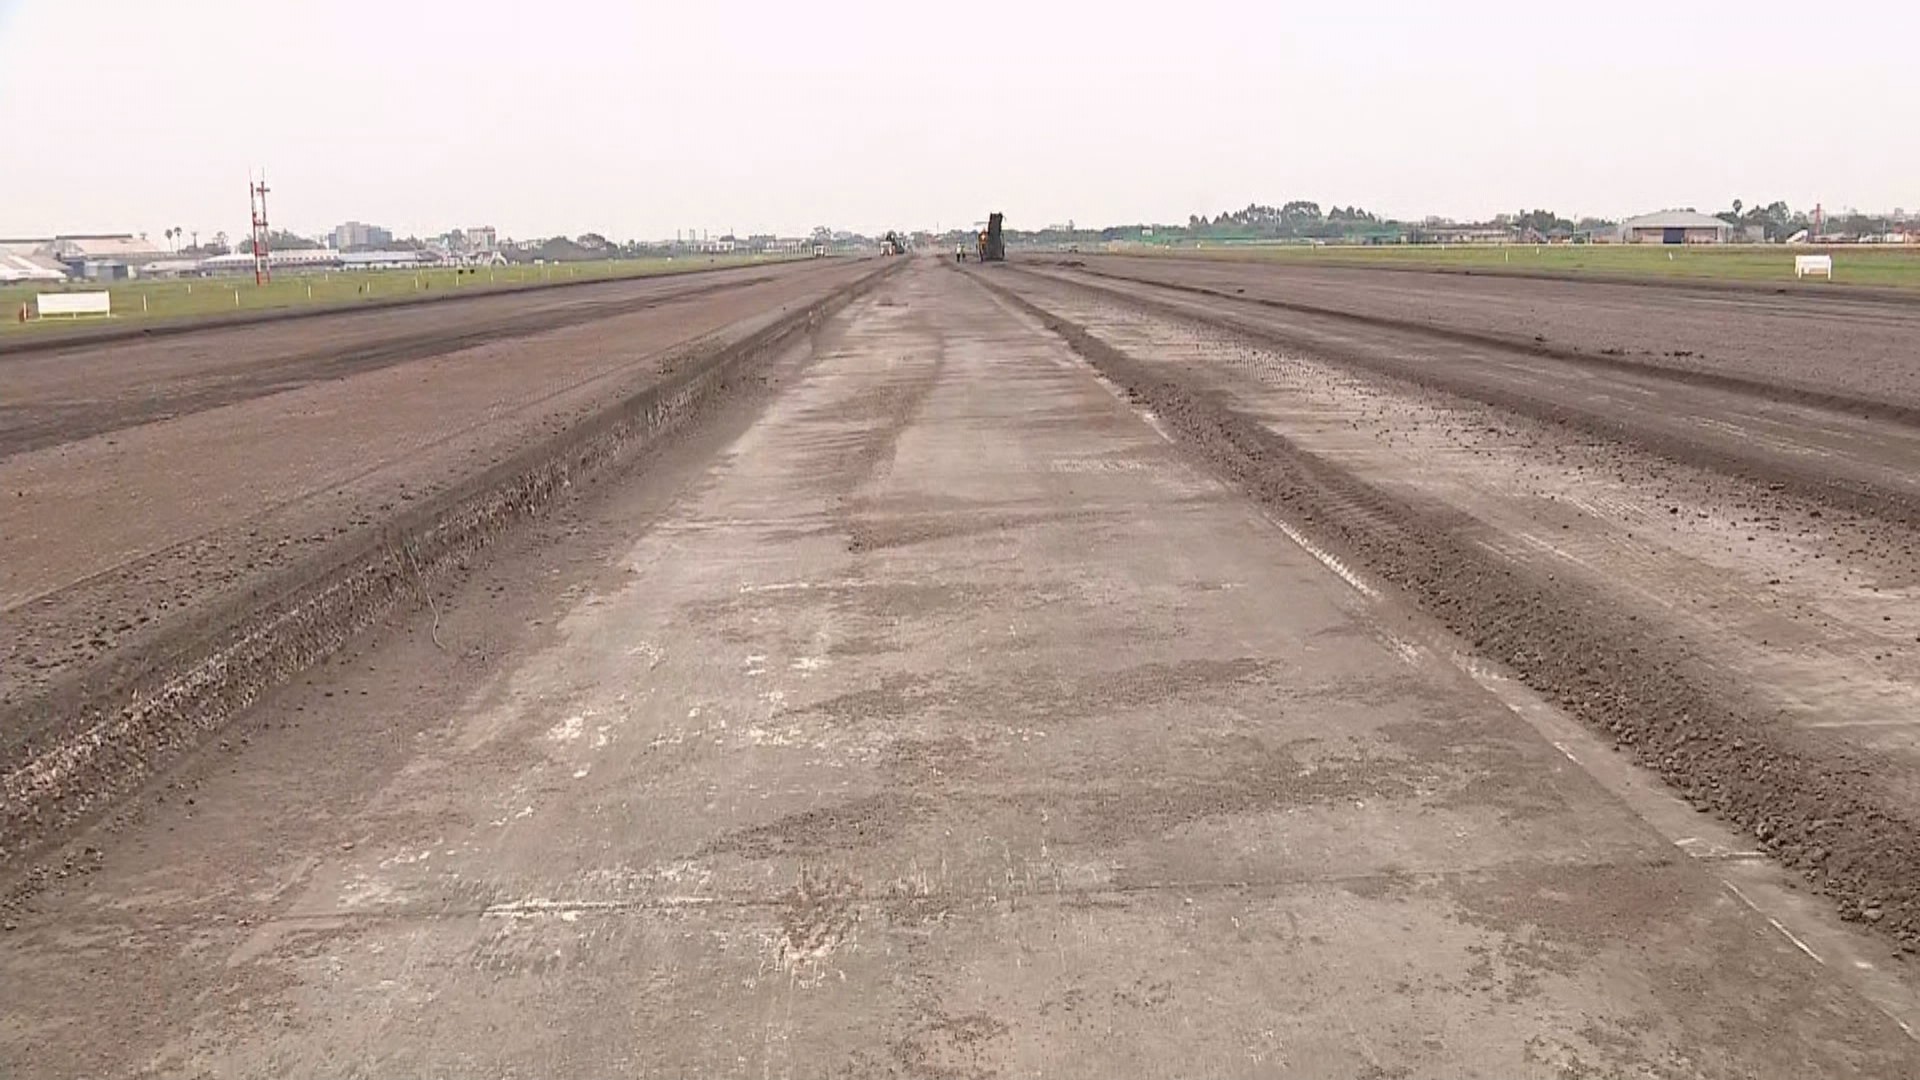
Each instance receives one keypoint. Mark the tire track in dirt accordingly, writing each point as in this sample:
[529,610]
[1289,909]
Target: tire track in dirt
[1809,801]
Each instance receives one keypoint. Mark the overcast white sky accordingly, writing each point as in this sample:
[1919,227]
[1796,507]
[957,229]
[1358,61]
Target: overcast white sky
[635,119]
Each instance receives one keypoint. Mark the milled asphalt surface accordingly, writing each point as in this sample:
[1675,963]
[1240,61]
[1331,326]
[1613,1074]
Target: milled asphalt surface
[947,721]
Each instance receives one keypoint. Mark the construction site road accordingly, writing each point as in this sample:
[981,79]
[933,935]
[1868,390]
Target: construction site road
[59,391]
[1722,579]
[157,572]
[934,710]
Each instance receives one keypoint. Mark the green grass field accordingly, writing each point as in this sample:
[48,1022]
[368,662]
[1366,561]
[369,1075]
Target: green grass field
[1893,267]
[138,300]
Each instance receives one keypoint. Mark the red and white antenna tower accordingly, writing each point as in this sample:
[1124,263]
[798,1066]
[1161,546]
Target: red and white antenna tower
[257,201]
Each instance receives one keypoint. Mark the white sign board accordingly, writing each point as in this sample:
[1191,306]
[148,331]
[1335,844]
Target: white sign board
[1813,264]
[74,303]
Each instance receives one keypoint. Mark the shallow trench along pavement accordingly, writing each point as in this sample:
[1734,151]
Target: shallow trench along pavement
[933,712]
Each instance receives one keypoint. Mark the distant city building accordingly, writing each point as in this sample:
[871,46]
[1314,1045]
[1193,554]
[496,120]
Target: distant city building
[354,235]
[482,238]
[1675,227]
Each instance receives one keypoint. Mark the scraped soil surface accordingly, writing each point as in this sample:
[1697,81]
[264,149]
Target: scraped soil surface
[936,714]
[1786,340]
[1728,612]
[59,395]
[127,531]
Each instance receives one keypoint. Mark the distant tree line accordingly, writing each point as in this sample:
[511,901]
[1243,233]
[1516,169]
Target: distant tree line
[280,240]
[1777,221]
[1303,220]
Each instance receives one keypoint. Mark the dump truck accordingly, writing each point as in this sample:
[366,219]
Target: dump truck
[993,246]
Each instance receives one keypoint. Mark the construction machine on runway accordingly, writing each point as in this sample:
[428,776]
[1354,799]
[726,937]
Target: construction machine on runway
[993,246]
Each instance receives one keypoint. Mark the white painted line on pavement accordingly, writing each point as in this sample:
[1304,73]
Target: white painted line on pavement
[1326,558]
[1801,945]
[1777,925]
[1406,650]
[1707,849]
[535,907]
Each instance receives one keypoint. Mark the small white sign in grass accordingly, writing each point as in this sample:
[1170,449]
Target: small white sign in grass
[73,304]
[1813,264]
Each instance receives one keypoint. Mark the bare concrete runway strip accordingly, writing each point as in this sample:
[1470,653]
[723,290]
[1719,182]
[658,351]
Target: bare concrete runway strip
[947,721]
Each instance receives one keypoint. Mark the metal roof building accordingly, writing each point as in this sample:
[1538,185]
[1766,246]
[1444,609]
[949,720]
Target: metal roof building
[384,260]
[124,247]
[170,268]
[16,266]
[287,259]
[1675,227]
